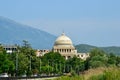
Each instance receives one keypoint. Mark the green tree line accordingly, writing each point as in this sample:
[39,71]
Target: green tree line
[24,61]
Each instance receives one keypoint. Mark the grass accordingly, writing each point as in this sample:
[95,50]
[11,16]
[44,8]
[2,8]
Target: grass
[70,78]
[109,74]
[96,74]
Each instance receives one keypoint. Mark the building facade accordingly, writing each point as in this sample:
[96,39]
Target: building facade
[64,46]
[42,52]
[10,48]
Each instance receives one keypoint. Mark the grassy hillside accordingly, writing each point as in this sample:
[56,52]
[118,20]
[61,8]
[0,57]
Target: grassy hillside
[87,48]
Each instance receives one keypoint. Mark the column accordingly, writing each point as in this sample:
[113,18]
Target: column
[66,57]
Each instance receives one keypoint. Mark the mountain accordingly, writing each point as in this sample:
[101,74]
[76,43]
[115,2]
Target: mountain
[84,48]
[12,32]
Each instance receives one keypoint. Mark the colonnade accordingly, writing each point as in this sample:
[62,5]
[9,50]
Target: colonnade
[63,50]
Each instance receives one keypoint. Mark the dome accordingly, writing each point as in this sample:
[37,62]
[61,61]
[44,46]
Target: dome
[63,40]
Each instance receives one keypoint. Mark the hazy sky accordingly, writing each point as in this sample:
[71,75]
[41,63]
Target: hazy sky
[95,22]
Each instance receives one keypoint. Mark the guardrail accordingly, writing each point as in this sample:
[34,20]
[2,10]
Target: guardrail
[18,78]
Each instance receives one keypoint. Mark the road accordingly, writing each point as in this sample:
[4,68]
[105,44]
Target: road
[51,78]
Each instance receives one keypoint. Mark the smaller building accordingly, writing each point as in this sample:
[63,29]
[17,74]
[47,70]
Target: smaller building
[41,52]
[10,48]
[83,56]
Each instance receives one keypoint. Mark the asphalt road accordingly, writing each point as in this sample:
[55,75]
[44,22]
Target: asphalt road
[51,78]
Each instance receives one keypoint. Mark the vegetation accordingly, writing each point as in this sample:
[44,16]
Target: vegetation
[109,74]
[84,48]
[71,78]
[5,64]
[24,61]
[99,66]
[96,74]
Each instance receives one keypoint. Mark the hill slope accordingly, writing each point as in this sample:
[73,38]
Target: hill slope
[12,32]
[87,48]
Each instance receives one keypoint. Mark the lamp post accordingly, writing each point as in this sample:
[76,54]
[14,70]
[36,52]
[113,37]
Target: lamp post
[30,63]
[40,66]
[17,63]
[52,67]
[60,66]
[48,68]
[64,68]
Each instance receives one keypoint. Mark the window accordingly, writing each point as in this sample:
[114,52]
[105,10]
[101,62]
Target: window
[69,57]
[81,55]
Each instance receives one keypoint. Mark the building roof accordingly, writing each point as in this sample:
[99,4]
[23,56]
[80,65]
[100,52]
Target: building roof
[9,46]
[63,40]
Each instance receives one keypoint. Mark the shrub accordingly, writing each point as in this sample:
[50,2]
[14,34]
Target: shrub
[110,74]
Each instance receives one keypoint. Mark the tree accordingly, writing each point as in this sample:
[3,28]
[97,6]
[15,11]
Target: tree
[29,53]
[35,64]
[112,59]
[98,58]
[23,63]
[2,50]
[75,64]
[26,49]
[26,44]
[55,60]
[118,61]
[97,51]
[5,64]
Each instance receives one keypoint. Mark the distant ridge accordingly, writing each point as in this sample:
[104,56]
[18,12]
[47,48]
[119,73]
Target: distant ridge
[12,32]
[87,48]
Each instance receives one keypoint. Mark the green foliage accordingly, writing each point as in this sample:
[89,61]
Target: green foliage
[23,63]
[75,64]
[54,62]
[110,74]
[26,44]
[53,57]
[28,59]
[2,49]
[112,59]
[98,61]
[73,73]
[98,58]
[113,49]
[84,48]
[96,52]
[118,61]
[47,69]
[5,64]
[27,62]
[70,78]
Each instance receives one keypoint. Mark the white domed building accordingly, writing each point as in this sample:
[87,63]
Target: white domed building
[64,46]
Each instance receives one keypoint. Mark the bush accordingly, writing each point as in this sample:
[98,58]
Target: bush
[110,74]
[70,78]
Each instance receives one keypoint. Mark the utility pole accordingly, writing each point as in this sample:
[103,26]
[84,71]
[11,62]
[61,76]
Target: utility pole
[56,68]
[48,67]
[17,63]
[30,62]
[40,66]
[64,68]
[60,66]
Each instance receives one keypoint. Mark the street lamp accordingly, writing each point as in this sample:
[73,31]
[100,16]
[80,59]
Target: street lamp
[17,63]
[30,62]
[40,66]
[64,68]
